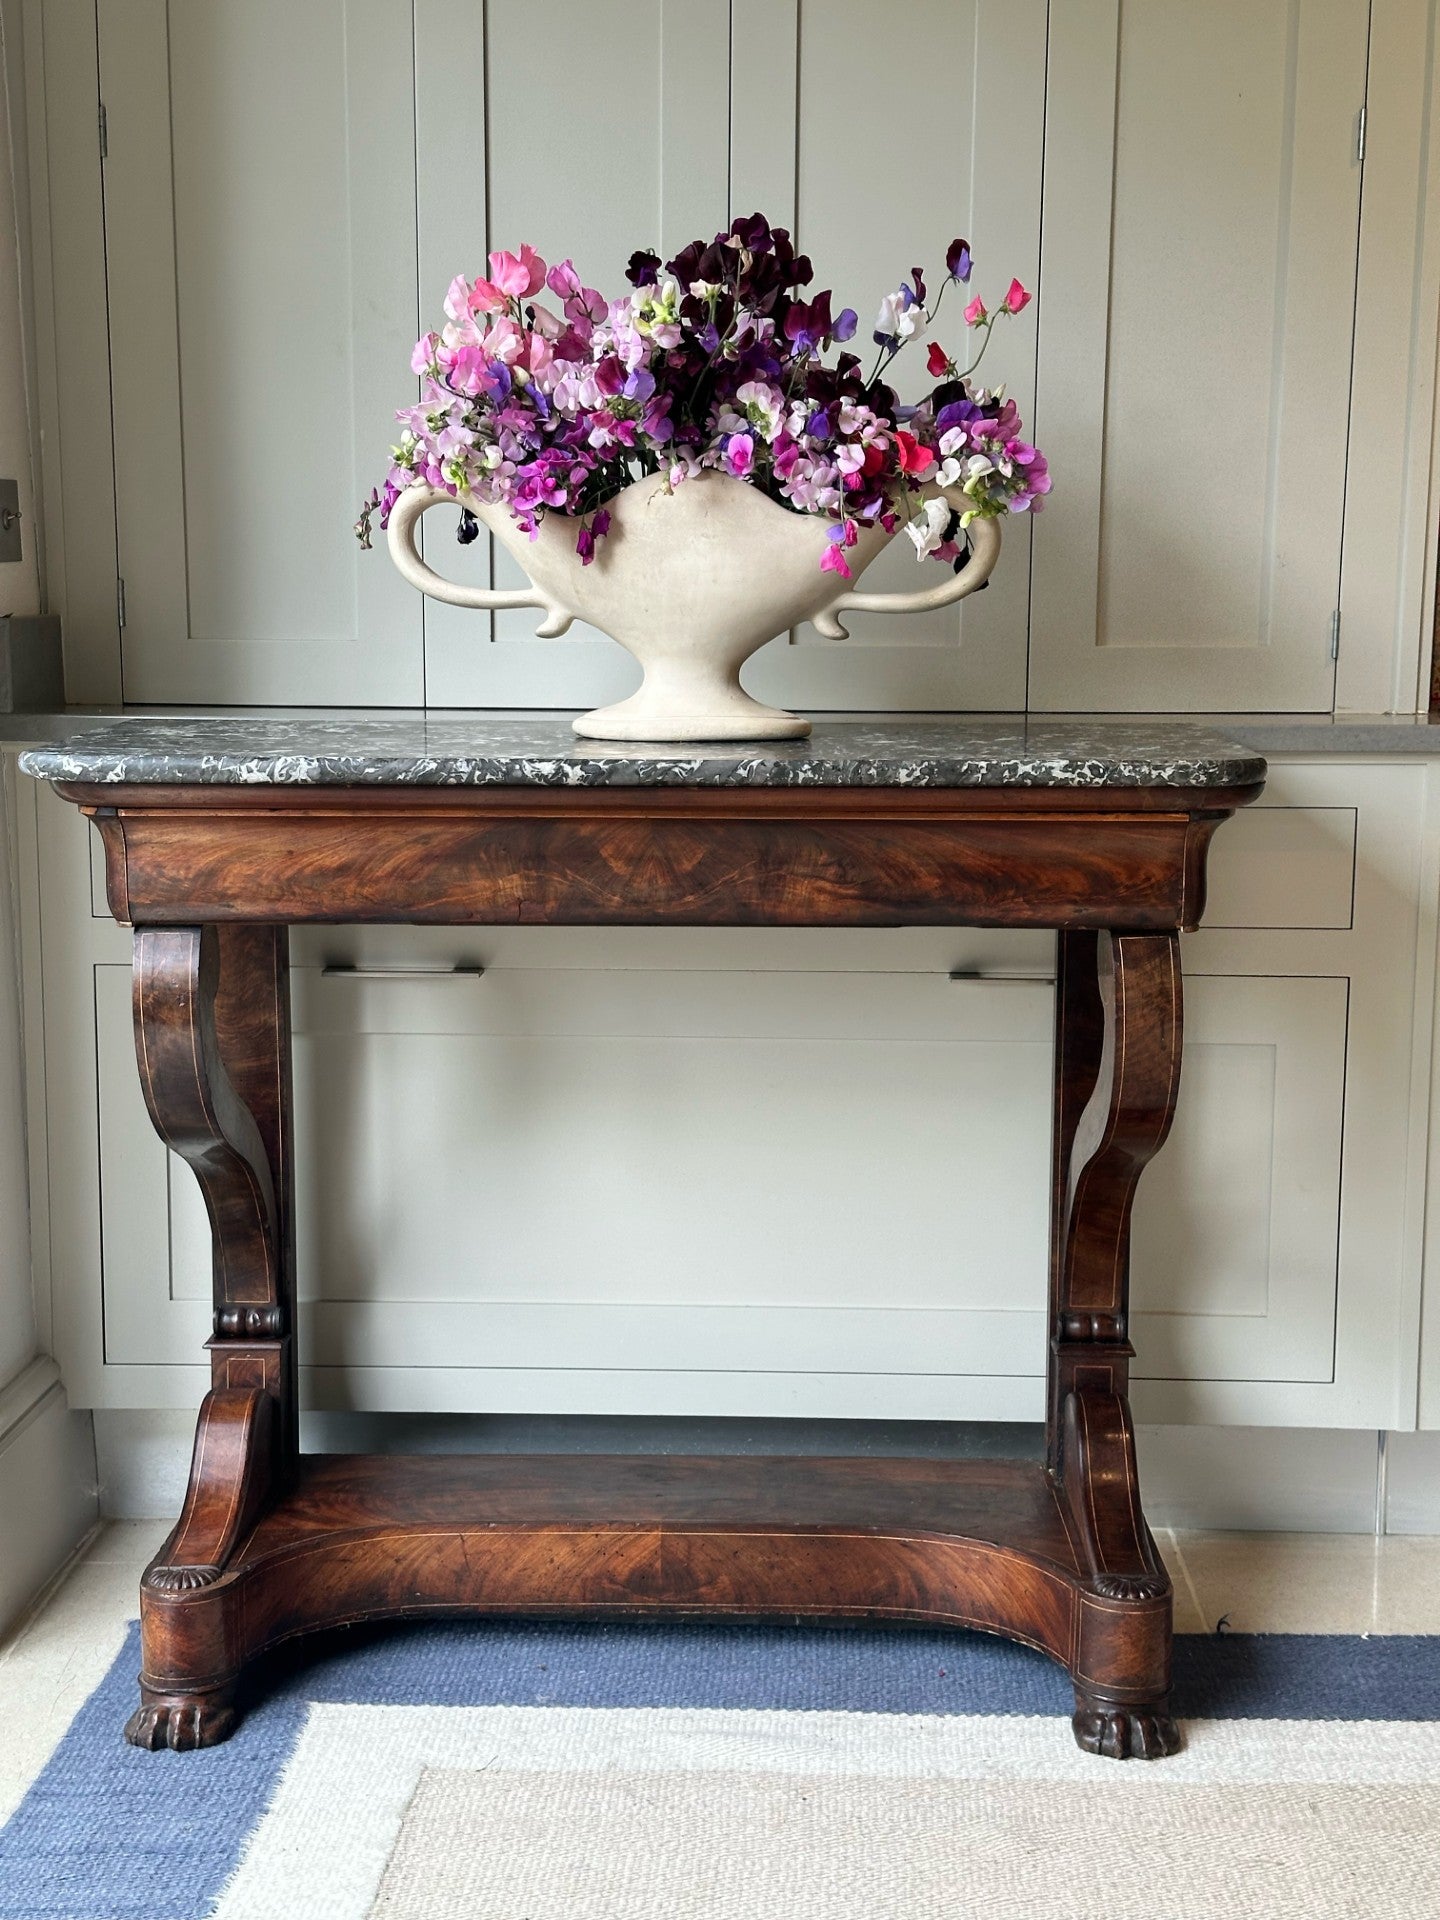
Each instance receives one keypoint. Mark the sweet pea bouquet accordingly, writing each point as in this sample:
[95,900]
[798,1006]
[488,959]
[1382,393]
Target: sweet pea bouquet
[713,361]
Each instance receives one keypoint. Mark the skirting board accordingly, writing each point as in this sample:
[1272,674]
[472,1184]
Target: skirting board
[1261,1478]
[48,1497]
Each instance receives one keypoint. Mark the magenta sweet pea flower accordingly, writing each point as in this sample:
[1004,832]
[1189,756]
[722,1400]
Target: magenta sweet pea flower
[1016,298]
[833,560]
[739,455]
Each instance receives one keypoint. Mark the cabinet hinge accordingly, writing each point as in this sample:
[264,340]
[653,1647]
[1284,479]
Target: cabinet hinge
[120,602]
[1335,634]
[1360,133]
[104,134]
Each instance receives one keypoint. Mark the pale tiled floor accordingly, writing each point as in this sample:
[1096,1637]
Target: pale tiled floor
[1256,1582]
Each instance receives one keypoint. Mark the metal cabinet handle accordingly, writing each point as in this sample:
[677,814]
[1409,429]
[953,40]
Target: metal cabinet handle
[1003,979]
[401,973]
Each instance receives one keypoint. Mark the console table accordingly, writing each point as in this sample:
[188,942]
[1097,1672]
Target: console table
[221,835]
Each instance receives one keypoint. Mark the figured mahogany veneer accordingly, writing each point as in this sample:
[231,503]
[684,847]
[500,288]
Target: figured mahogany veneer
[271,1543]
[781,857]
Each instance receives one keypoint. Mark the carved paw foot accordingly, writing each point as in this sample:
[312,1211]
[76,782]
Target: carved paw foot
[182,1724]
[1124,1733]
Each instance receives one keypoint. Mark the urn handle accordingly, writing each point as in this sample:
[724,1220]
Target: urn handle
[405,518]
[984,552]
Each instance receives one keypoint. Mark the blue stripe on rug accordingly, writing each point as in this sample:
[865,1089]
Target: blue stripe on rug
[107,1832]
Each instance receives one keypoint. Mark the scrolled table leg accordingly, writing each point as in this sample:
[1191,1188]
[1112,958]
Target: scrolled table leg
[1118,1041]
[212,1041]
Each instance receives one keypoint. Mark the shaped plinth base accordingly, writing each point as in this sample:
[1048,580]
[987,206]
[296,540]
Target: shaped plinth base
[973,1543]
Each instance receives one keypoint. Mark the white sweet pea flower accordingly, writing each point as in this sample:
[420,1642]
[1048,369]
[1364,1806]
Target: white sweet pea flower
[763,404]
[948,473]
[928,531]
[900,317]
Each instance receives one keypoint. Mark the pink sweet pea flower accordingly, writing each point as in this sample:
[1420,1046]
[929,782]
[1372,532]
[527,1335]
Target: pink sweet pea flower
[975,314]
[739,455]
[517,276]
[913,457]
[1016,298]
[833,561]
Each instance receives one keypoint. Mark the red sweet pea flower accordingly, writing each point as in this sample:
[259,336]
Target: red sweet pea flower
[913,457]
[938,361]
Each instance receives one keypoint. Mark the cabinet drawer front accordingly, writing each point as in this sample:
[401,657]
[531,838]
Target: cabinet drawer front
[1284,867]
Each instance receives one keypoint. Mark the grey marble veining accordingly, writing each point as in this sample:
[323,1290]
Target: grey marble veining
[496,749]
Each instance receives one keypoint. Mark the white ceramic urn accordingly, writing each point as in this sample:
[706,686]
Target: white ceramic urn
[691,582]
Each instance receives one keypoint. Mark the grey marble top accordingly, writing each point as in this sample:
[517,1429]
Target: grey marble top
[496,749]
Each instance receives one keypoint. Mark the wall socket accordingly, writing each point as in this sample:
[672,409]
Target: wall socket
[10,520]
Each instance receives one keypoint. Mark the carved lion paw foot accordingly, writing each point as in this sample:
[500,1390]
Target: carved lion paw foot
[181,1724]
[1125,1733]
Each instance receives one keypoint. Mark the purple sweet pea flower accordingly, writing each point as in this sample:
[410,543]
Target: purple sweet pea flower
[846,322]
[957,260]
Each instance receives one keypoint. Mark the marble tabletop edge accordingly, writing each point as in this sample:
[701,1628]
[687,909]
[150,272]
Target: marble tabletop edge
[492,749]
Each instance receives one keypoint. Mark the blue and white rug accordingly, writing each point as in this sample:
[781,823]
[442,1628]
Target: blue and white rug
[684,1773]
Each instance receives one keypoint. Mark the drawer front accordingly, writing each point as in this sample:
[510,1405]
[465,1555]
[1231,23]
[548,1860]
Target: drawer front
[1283,866]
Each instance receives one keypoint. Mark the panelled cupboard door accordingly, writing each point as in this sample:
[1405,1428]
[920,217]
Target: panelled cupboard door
[960,87]
[1203,179]
[633,153]
[726,1190]
[261,266]
[1237,1222]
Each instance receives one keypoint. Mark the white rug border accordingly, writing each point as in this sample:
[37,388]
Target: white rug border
[362,1764]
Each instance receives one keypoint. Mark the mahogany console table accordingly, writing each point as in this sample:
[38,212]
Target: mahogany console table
[220,835]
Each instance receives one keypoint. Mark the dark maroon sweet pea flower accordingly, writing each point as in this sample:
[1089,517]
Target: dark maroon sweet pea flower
[957,260]
[917,281]
[754,232]
[808,324]
[610,375]
[644,268]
